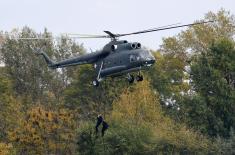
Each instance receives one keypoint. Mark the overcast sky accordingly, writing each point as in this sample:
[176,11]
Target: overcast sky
[117,16]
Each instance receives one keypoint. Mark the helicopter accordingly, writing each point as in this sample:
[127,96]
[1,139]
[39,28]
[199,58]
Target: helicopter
[118,57]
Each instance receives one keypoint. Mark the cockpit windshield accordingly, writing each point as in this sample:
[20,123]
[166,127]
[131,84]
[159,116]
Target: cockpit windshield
[146,54]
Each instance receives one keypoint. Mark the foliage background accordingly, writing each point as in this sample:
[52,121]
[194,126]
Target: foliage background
[185,105]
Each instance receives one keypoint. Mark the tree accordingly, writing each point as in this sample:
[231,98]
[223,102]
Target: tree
[168,79]
[139,126]
[213,80]
[23,66]
[30,74]
[187,55]
[227,145]
[90,100]
[6,149]
[10,109]
[44,131]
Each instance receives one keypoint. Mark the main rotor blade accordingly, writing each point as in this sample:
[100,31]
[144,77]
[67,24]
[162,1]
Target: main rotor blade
[83,35]
[33,38]
[54,38]
[161,29]
[110,35]
[25,38]
[88,37]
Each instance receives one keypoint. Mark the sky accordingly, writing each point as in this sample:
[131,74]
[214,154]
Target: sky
[117,16]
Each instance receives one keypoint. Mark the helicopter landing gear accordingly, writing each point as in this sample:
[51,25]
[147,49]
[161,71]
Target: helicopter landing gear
[139,78]
[96,82]
[130,78]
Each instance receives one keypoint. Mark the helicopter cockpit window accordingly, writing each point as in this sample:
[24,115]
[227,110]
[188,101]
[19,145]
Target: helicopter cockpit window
[113,47]
[134,58]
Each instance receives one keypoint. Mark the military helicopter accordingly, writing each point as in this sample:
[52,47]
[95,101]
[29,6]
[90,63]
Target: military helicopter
[118,57]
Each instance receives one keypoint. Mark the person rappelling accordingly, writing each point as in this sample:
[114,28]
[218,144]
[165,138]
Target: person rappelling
[105,125]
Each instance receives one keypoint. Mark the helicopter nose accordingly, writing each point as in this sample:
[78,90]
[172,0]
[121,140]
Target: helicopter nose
[151,58]
[152,61]
[149,61]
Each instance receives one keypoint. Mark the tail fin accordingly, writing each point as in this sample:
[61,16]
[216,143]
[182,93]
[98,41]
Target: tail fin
[39,51]
[49,62]
[47,59]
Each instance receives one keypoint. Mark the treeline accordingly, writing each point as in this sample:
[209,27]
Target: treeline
[185,105]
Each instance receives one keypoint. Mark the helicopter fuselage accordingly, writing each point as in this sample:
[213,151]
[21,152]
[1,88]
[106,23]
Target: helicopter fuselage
[123,61]
[115,59]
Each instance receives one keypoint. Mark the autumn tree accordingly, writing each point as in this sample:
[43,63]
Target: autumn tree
[43,131]
[6,149]
[139,126]
[10,109]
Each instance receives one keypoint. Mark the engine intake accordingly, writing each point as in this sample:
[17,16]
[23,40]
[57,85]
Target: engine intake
[133,46]
[138,45]
[127,46]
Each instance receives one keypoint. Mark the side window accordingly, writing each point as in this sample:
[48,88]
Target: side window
[107,63]
[134,58]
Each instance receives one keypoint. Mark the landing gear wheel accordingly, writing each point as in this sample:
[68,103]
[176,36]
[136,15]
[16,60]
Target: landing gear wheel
[139,78]
[131,79]
[95,83]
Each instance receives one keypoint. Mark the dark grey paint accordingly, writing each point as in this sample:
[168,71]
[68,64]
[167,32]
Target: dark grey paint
[116,58]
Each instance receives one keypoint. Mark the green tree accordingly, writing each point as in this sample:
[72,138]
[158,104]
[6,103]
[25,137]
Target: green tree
[227,145]
[213,80]
[168,79]
[90,100]
[179,87]
[23,66]
[30,74]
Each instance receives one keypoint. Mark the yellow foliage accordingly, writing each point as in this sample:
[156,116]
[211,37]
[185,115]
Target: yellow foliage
[5,149]
[44,130]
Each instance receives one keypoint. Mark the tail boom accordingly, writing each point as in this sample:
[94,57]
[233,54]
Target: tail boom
[84,59]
